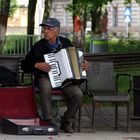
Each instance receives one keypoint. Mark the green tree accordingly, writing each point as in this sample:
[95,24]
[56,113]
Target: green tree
[13,7]
[138,1]
[7,8]
[93,7]
[4,14]
[31,16]
[87,9]
[47,9]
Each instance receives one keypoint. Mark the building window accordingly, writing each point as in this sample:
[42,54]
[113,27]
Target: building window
[115,16]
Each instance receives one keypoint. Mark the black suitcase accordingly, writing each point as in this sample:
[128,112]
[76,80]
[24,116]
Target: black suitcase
[28,127]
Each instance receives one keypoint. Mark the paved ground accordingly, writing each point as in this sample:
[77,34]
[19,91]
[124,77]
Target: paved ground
[104,128]
[78,136]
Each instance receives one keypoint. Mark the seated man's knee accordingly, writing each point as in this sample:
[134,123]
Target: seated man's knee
[45,87]
[44,84]
[77,92]
[73,91]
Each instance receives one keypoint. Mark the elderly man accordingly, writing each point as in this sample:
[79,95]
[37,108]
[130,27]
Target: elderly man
[34,62]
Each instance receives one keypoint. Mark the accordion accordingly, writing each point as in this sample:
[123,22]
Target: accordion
[66,67]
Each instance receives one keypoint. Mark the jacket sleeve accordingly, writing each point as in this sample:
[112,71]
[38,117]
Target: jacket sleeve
[27,64]
[69,43]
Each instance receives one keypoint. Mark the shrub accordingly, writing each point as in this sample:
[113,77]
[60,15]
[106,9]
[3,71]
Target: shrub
[124,46]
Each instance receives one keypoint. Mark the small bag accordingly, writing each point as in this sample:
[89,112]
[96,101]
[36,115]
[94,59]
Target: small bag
[8,77]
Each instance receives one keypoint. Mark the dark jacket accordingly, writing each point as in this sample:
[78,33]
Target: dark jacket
[36,54]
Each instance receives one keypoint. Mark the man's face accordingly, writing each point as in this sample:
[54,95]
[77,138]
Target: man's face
[51,33]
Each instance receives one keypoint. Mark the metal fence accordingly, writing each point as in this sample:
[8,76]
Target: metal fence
[21,44]
[17,44]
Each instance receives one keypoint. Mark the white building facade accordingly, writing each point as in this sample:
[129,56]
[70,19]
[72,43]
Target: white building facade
[123,18]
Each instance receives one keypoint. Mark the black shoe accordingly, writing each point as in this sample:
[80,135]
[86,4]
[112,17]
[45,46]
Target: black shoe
[66,126]
[51,122]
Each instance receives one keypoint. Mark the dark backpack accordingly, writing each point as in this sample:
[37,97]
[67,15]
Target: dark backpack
[7,77]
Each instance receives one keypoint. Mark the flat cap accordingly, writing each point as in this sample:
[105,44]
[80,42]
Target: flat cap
[52,22]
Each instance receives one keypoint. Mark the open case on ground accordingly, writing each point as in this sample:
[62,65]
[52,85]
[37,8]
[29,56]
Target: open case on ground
[18,112]
[28,127]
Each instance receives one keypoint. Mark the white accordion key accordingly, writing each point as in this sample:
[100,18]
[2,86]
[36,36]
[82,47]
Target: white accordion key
[54,72]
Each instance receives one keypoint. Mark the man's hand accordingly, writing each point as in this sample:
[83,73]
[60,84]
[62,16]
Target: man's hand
[85,65]
[43,66]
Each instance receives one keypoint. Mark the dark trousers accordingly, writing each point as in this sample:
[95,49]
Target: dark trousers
[73,96]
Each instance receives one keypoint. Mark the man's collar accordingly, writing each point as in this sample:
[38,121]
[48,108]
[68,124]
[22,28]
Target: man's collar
[56,42]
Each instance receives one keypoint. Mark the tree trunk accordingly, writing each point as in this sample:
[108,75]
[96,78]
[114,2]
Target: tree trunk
[83,29]
[79,36]
[47,10]
[4,13]
[31,21]
[95,21]
[31,16]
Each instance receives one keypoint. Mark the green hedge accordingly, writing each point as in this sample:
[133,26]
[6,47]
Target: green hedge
[124,46]
[117,45]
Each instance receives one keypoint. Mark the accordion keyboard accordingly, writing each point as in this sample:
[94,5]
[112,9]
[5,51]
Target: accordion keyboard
[54,73]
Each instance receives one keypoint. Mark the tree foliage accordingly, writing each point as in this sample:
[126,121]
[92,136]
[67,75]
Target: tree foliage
[138,1]
[7,8]
[13,6]
[85,9]
[4,14]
